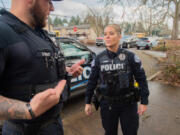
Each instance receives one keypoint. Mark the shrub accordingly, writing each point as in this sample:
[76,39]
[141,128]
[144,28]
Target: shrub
[169,45]
[171,67]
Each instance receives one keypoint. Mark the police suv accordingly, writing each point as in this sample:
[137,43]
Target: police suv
[74,51]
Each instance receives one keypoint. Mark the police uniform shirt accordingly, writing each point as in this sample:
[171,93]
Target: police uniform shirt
[136,70]
[26,57]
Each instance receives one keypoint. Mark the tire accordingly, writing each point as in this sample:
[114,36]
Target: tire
[147,47]
[97,44]
[138,47]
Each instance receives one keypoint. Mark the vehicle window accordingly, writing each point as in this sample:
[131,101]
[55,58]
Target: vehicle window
[75,43]
[125,37]
[143,38]
[74,50]
[78,45]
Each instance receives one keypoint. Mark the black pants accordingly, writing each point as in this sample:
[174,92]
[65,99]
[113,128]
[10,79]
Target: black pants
[126,114]
[51,128]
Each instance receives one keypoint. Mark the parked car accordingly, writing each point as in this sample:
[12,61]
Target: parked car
[154,41]
[144,43]
[74,51]
[100,41]
[128,41]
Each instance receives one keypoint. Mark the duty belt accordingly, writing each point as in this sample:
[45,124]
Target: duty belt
[127,98]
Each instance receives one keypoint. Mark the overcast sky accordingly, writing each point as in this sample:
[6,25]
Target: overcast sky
[73,7]
[70,8]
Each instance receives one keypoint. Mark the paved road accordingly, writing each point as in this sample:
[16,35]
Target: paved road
[74,119]
[162,117]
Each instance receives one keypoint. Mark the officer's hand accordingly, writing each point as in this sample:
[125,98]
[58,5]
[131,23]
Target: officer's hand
[76,68]
[141,109]
[88,109]
[43,101]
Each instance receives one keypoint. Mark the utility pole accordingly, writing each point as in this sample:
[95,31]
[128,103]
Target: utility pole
[3,4]
[179,21]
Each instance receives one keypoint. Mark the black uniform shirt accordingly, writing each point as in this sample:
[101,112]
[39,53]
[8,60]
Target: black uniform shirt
[137,70]
[26,57]
[21,56]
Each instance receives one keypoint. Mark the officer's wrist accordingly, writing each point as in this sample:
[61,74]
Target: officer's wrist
[31,114]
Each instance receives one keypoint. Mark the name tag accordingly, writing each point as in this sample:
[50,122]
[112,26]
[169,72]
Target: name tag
[46,54]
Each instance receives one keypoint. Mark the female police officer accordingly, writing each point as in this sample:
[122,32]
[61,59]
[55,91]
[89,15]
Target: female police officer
[115,69]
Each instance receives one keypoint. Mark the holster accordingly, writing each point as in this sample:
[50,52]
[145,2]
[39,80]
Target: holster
[136,94]
[96,98]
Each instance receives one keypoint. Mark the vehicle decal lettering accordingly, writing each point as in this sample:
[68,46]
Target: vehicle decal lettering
[85,75]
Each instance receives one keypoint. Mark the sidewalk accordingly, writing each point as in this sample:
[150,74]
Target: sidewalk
[156,54]
[163,115]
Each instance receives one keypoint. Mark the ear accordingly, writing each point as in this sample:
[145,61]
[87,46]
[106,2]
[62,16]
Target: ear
[30,3]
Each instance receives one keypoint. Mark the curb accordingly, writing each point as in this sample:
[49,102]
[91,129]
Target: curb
[158,72]
[157,58]
[153,76]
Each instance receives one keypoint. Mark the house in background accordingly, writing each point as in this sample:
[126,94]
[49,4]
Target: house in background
[78,32]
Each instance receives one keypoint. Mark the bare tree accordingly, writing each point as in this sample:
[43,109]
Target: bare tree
[98,18]
[159,12]
[172,8]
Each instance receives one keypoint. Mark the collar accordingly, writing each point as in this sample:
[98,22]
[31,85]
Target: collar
[114,54]
[15,22]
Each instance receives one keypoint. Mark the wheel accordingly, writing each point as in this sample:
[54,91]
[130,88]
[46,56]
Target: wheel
[138,47]
[147,47]
[97,44]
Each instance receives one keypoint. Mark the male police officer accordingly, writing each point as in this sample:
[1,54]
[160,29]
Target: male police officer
[30,67]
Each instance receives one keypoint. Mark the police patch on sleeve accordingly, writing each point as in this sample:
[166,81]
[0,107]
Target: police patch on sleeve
[137,59]
[93,63]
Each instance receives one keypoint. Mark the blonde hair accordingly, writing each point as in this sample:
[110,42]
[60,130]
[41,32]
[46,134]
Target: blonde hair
[116,27]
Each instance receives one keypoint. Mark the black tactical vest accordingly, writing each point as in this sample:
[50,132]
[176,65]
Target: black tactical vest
[116,76]
[35,63]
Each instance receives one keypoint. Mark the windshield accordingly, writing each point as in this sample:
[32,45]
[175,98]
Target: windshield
[74,50]
[143,38]
[125,37]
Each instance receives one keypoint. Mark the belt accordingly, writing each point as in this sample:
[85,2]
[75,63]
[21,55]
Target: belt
[128,98]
